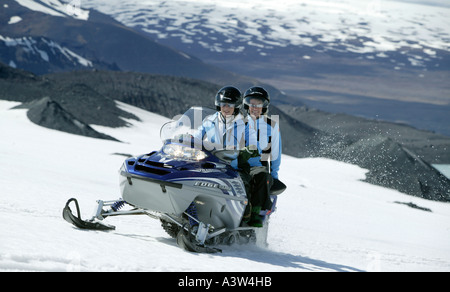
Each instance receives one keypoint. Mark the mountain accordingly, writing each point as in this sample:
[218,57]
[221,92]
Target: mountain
[48,36]
[35,53]
[327,220]
[386,60]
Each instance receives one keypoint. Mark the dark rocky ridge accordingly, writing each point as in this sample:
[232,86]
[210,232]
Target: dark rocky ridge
[398,156]
[48,113]
[433,148]
[171,96]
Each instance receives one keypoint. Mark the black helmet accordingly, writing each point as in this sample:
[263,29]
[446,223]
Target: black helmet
[258,93]
[231,95]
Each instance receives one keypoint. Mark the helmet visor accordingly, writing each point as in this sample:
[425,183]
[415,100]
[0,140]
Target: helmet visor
[256,101]
[224,104]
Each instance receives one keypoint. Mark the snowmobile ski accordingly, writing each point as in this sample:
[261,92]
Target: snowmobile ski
[78,222]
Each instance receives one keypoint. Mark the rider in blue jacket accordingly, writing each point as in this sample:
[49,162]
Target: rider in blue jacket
[256,103]
[228,129]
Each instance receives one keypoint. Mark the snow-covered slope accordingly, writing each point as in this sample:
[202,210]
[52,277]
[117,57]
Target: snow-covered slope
[327,220]
[370,28]
[40,51]
[57,8]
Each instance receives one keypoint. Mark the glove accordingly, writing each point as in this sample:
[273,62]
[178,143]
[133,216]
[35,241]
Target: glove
[247,153]
[244,155]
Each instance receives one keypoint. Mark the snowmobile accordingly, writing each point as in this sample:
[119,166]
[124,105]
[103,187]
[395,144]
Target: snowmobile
[195,193]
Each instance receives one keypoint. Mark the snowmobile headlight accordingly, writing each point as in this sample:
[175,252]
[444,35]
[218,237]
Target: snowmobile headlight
[183,152]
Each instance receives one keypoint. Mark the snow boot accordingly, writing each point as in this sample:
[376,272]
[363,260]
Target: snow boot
[255,218]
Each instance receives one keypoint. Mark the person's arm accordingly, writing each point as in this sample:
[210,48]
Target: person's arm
[275,161]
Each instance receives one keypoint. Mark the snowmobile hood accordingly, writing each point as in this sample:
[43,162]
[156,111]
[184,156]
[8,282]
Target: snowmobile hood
[159,165]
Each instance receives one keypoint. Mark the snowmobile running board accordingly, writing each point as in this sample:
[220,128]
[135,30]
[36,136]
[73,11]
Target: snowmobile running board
[193,239]
[185,238]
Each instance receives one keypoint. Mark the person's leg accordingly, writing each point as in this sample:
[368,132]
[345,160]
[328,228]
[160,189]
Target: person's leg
[247,180]
[261,190]
[260,198]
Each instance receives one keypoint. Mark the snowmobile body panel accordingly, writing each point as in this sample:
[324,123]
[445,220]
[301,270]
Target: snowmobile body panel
[156,183]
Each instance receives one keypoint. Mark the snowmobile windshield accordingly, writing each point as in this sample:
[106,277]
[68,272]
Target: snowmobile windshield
[185,130]
[186,124]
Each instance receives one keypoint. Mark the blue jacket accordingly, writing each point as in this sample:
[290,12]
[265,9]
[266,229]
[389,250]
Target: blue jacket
[269,142]
[234,133]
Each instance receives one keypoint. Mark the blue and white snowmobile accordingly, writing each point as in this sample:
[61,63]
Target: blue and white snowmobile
[195,193]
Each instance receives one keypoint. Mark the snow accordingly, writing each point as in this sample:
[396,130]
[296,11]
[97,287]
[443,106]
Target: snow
[29,44]
[57,8]
[443,168]
[327,220]
[14,19]
[12,64]
[36,6]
